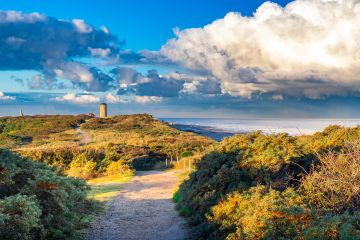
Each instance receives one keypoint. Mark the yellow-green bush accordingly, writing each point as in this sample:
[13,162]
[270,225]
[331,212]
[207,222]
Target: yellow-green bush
[82,167]
[118,168]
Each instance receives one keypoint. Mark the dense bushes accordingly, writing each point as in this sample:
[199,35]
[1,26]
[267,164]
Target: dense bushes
[277,215]
[82,162]
[119,168]
[258,186]
[38,203]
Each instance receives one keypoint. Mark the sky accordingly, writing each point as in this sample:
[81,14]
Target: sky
[218,58]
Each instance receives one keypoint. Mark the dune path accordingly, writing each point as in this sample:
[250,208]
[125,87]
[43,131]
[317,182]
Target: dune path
[142,210]
[85,136]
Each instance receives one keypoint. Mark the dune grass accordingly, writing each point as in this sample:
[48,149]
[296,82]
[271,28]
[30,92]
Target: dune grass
[106,188]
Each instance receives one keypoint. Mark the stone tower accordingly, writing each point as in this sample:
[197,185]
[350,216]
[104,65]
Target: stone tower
[103,110]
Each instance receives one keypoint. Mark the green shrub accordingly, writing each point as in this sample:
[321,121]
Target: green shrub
[19,217]
[186,154]
[343,226]
[50,205]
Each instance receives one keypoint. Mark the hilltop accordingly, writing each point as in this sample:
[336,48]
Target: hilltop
[132,141]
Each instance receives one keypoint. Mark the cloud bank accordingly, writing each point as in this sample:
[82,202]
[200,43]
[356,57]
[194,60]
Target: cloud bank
[308,48]
[78,99]
[52,47]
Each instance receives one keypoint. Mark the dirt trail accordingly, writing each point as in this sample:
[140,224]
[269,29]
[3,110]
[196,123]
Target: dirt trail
[85,137]
[142,210]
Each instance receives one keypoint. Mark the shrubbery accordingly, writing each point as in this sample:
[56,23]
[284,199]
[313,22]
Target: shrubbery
[260,213]
[139,141]
[38,203]
[258,186]
[119,168]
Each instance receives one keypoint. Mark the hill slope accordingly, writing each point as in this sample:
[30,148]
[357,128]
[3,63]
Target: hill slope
[117,143]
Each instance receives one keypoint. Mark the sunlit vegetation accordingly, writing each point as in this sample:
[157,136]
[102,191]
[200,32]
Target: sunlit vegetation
[106,188]
[118,144]
[38,130]
[258,186]
[40,199]
[36,202]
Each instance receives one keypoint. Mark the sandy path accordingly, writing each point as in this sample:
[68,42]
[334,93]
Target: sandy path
[85,137]
[142,210]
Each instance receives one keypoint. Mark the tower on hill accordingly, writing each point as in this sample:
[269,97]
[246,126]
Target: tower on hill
[103,110]
[21,114]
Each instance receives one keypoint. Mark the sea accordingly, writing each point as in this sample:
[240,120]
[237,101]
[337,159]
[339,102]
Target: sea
[219,128]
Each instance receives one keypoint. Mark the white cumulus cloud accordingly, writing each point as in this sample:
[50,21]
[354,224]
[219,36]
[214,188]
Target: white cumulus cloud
[81,26]
[308,48]
[3,97]
[78,99]
[110,98]
[148,99]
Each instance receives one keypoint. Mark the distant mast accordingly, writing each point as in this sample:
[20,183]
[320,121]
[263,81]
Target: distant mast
[21,114]
[103,110]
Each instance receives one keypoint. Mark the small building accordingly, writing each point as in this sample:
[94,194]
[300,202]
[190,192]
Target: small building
[103,110]
[91,115]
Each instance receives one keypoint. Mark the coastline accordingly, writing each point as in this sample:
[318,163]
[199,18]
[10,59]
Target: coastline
[215,133]
[219,129]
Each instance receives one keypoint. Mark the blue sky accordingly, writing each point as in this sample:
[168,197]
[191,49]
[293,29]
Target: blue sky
[142,24]
[219,58]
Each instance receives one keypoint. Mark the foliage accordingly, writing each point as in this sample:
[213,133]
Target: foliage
[19,217]
[82,167]
[334,184]
[258,186]
[139,141]
[38,203]
[119,169]
[277,215]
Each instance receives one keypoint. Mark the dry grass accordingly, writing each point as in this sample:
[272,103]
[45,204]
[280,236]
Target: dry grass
[106,188]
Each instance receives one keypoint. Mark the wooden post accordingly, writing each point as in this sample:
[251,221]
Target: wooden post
[189,165]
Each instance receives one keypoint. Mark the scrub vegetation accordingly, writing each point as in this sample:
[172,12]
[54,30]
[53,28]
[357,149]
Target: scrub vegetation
[119,145]
[251,186]
[258,186]
[43,165]
[36,202]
